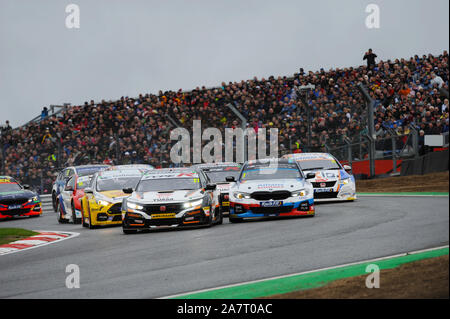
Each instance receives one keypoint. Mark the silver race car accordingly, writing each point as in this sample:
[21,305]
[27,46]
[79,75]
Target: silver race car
[271,188]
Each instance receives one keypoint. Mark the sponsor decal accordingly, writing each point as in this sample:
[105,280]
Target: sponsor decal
[162,216]
[164,194]
[275,203]
[323,190]
[270,186]
[166,199]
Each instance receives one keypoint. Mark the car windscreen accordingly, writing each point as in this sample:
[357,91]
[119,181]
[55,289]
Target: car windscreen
[317,164]
[272,171]
[9,187]
[116,183]
[85,171]
[83,182]
[168,184]
[219,175]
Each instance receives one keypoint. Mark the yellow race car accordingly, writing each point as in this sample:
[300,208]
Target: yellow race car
[102,202]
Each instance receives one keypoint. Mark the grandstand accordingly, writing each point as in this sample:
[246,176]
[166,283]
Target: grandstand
[407,92]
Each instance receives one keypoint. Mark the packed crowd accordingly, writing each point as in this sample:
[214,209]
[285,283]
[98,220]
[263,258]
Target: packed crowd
[137,130]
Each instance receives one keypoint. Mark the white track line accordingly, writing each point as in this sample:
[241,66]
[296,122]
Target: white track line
[302,273]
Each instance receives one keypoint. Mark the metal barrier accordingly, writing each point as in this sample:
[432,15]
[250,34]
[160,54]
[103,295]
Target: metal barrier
[46,202]
[392,146]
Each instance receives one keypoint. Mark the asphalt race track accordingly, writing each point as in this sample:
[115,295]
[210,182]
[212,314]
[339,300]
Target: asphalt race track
[157,264]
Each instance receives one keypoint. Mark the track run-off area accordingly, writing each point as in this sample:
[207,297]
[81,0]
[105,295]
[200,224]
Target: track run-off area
[165,263]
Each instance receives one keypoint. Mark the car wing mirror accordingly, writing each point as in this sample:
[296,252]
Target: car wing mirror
[26,186]
[210,187]
[230,179]
[127,190]
[347,168]
[310,175]
[88,190]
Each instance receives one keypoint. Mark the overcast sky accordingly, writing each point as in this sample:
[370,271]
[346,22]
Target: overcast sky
[127,47]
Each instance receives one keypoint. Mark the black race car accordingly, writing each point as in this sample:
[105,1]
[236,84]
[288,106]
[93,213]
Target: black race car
[217,174]
[17,200]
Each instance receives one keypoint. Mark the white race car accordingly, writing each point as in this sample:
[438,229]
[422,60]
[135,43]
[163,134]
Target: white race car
[332,181]
[271,188]
[170,198]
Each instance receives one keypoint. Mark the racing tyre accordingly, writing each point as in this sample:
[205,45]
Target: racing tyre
[220,220]
[55,207]
[89,225]
[59,215]
[83,222]
[74,216]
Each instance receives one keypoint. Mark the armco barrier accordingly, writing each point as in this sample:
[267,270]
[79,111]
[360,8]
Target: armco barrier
[428,163]
[46,201]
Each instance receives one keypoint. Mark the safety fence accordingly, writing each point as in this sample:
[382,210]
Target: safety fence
[390,150]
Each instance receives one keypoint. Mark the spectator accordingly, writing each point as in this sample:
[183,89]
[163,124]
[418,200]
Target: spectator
[136,130]
[370,57]
[6,128]
[44,113]
[436,79]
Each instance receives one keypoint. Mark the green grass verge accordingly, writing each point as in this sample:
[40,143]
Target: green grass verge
[8,235]
[308,280]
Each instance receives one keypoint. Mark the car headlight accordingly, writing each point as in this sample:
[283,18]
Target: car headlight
[193,203]
[346,181]
[240,195]
[34,199]
[103,202]
[135,206]
[300,193]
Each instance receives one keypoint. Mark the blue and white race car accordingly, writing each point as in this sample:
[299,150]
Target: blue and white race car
[66,174]
[270,188]
[332,181]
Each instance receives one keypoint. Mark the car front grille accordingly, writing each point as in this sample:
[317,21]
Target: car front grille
[117,218]
[325,195]
[276,195]
[164,222]
[14,212]
[115,209]
[169,208]
[15,201]
[327,184]
[271,210]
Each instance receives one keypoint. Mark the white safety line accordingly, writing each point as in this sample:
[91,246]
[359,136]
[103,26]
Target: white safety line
[303,273]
